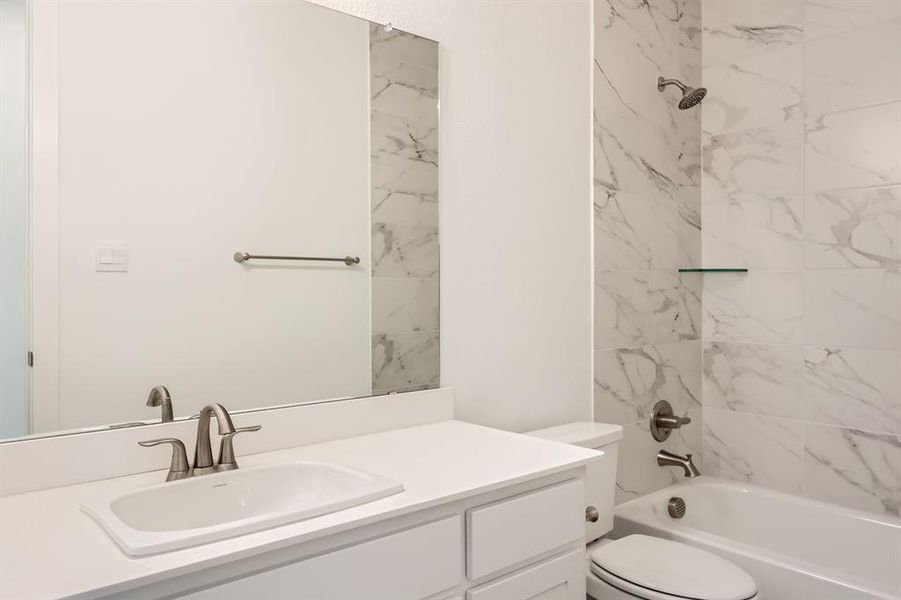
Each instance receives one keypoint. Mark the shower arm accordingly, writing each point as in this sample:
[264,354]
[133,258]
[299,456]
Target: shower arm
[662,83]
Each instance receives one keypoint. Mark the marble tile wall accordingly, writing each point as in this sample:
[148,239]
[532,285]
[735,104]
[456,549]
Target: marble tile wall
[404,175]
[647,206]
[801,183]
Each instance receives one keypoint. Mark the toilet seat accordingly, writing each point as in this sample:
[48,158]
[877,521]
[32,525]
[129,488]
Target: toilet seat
[658,569]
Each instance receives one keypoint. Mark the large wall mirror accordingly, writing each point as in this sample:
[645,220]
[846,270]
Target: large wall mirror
[149,146]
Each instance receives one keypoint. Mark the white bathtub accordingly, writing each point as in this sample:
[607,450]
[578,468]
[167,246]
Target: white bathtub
[796,549]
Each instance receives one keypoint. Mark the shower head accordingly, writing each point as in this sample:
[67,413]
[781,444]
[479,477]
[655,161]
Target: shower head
[690,96]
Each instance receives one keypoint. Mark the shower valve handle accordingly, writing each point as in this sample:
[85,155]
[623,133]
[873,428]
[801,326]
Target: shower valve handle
[672,422]
[664,420]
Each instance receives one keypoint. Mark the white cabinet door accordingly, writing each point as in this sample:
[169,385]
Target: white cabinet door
[560,578]
[408,565]
[511,531]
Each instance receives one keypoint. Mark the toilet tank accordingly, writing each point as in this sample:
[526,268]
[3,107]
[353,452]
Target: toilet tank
[600,480]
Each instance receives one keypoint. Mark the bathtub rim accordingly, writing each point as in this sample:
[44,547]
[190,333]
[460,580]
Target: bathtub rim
[634,512]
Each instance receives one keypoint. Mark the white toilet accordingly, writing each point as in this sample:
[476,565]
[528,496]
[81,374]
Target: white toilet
[640,566]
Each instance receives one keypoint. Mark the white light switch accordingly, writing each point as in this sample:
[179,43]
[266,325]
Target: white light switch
[111,257]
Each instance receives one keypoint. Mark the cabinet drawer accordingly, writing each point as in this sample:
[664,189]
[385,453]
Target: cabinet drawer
[415,563]
[511,531]
[560,578]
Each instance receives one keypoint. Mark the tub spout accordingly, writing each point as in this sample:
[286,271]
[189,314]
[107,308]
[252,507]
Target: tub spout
[668,459]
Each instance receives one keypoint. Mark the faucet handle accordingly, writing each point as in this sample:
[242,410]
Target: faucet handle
[227,447]
[672,421]
[664,420]
[178,467]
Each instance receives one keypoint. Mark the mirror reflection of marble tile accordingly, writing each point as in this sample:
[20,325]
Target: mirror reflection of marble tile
[404,361]
[404,148]
[404,304]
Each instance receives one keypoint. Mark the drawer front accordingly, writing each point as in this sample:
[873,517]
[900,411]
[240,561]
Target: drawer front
[411,564]
[511,531]
[560,578]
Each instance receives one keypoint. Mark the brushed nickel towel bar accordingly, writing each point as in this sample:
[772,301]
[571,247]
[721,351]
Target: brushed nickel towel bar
[244,256]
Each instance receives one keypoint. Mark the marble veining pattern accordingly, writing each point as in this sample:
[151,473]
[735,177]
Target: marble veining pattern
[825,17]
[761,306]
[853,468]
[766,451]
[753,233]
[800,175]
[691,289]
[754,378]
[636,307]
[859,308]
[624,93]
[855,148]
[404,361]
[404,251]
[399,142]
[853,228]
[647,223]
[855,68]
[644,231]
[629,381]
[407,196]
[853,388]
[761,91]
[404,304]
[733,31]
[766,162]
[404,204]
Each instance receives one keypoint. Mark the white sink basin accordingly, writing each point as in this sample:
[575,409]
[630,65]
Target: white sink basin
[184,513]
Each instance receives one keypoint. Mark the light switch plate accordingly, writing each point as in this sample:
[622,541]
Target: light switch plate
[111,257]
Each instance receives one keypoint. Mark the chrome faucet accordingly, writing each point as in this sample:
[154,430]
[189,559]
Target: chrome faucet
[668,459]
[159,396]
[203,453]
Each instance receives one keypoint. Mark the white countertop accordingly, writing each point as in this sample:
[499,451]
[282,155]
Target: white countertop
[49,548]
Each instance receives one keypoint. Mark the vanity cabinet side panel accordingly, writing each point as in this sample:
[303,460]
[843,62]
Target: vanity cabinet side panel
[412,564]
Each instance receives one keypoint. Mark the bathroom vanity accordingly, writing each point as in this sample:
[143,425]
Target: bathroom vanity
[484,515]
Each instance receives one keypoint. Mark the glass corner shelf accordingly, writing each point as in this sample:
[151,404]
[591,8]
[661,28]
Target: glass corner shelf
[701,270]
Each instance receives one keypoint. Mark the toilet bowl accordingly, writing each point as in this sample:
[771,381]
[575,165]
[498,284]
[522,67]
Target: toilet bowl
[640,566]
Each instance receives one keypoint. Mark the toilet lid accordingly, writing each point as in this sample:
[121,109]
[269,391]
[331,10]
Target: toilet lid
[671,568]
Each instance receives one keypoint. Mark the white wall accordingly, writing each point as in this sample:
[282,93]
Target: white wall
[515,189]
[13,219]
[192,131]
